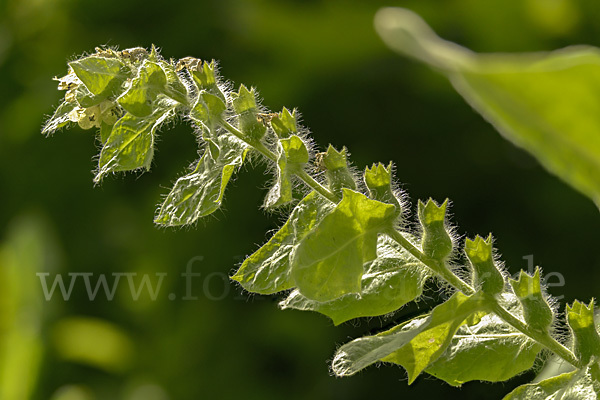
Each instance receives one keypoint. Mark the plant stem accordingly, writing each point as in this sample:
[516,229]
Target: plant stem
[310,181]
[542,338]
[261,148]
[303,175]
[446,274]
[440,269]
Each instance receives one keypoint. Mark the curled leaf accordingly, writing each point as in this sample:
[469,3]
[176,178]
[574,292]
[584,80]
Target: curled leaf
[200,192]
[415,344]
[130,144]
[268,269]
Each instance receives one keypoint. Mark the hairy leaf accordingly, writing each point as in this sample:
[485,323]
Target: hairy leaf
[175,88]
[546,103]
[208,110]
[393,279]
[378,179]
[415,344]
[141,97]
[268,269]
[575,385]
[293,155]
[102,76]
[60,118]
[472,347]
[329,261]
[200,192]
[130,144]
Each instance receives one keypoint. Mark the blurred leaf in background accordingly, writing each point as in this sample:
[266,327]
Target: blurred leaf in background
[546,103]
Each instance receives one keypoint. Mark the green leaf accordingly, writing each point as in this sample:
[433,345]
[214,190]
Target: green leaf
[329,261]
[141,97]
[295,151]
[546,103]
[130,144]
[200,192]
[268,269]
[471,349]
[175,89]
[208,109]
[203,73]
[393,279]
[61,117]
[575,385]
[85,98]
[205,78]
[293,155]
[103,77]
[415,344]
[105,131]
[244,100]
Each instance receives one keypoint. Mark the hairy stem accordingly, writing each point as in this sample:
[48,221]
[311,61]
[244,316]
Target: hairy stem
[440,269]
[447,275]
[542,338]
[302,175]
[310,181]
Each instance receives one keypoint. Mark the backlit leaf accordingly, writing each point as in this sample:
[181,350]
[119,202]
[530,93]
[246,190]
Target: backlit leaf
[142,95]
[393,279]
[268,269]
[102,76]
[130,144]
[329,261]
[472,347]
[415,344]
[60,118]
[293,155]
[200,192]
[575,385]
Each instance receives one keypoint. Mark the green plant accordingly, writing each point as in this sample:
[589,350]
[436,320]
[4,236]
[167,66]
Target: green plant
[346,249]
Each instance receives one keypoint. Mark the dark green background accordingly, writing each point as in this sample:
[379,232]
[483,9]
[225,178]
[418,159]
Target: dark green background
[325,58]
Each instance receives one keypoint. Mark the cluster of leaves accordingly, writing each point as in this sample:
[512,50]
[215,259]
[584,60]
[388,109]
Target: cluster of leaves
[344,250]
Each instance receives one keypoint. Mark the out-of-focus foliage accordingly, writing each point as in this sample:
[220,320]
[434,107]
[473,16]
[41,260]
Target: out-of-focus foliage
[325,58]
[546,103]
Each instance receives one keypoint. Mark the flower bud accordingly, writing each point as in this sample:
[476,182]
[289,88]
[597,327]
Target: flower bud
[486,275]
[336,170]
[285,123]
[436,241]
[536,310]
[244,104]
[378,179]
[586,342]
